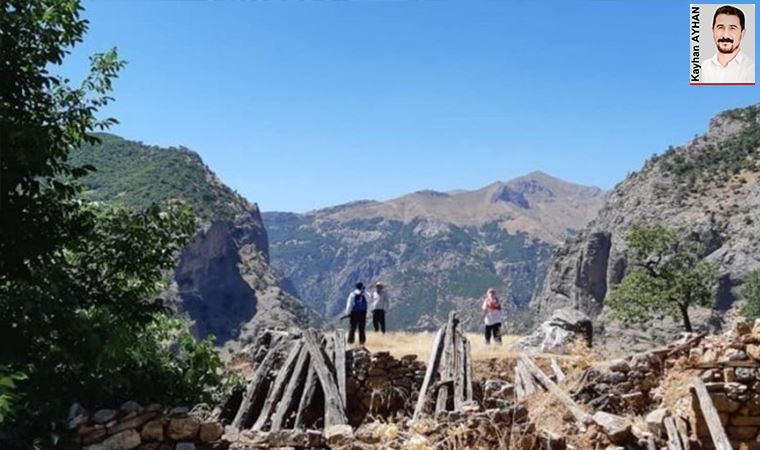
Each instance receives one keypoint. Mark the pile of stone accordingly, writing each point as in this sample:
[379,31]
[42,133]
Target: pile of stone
[147,428]
[380,385]
[625,386]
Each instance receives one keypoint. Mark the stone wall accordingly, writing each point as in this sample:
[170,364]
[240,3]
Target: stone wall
[381,385]
[144,428]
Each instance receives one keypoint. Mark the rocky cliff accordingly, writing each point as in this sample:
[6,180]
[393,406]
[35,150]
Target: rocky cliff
[708,187]
[223,282]
[435,251]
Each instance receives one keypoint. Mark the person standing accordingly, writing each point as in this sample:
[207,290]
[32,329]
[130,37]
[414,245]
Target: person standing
[379,305]
[492,308]
[356,310]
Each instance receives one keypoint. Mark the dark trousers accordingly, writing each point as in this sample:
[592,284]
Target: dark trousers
[494,330]
[358,320]
[378,320]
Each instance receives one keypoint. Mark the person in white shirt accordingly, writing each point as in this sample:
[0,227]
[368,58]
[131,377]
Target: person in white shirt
[729,64]
[379,305]
[492,308]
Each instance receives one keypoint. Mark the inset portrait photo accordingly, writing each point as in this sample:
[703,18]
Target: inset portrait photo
[722,44]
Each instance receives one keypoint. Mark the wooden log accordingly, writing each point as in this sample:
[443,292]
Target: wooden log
[529,387]
[581,416]
[254,386]
[340,364]
[278,386]
[558,374]
[687,345]
[519,389]
[460,374]
[674,440]
[430,372]
[468,370]
[718,434]
[307,396]
[447,369]
[683,431]
[288,401]
[335,412]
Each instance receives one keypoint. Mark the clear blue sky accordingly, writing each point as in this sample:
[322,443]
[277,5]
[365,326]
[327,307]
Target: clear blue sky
[300,105]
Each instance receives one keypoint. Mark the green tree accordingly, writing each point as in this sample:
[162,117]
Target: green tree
[667,275]
[80,318]
[751,293]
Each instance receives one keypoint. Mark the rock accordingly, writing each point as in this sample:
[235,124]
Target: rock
[655,421]
[130,407]
[744,374]
[95,435]
[620,365]
[185,446]
[179,411]
[753,350]
[153,431]
[125,440]
[210,431]
[723,403]
[104,416]
[615,427]
[368,432]
[183,428]
[77,416]
[742,433]
[337,435]
[740,328]
[734,354]
[131,422]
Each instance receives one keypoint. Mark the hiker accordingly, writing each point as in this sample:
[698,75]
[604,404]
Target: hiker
[379,305]
[492,307]
[356,310]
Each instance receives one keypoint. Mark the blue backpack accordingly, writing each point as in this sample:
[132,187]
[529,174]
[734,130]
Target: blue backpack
[360,303]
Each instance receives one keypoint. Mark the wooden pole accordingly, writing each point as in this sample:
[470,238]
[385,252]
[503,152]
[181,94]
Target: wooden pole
[432,369]
[719,438]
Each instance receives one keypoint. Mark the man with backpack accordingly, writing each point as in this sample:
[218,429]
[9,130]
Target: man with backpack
[356,310]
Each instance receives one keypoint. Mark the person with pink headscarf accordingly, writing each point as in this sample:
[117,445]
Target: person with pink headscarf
[492,308]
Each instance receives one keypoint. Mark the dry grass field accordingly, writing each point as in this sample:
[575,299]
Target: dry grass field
[400,343]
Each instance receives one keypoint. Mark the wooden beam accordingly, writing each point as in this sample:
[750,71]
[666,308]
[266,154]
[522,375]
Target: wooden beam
[460,372]
[581,416]
[278,386]
[529,387]
[432,369]
[340,364]
[254,386]
[686,345]
[309,389]
[558,374]
[468,369]
[683,431]
[288,401]
[335,412]
[718,434]
[674,440]
[447,369]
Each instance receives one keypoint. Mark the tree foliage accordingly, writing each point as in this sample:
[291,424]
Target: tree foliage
[667,276]
[80,317]
[751,293]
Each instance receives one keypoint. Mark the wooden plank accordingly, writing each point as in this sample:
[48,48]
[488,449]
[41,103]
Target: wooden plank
[558,374]
[683,431]
[468,370]
[529,387]
[519,390]
[309,389]
[718,434]
[447,367]
[674,440]
[288,401]
[687,345]
[580,415]
[278,386]
[459,372]
[335,412]
[254,386]
[340,363]
[432,369]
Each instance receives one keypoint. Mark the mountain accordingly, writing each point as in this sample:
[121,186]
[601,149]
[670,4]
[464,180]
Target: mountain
[223,281]
[708,186]
[435,251]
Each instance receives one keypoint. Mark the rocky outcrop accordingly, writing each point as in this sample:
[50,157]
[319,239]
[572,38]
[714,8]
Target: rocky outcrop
[223,282]
[708,187]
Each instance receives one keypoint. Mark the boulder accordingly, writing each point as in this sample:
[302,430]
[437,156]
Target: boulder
[615,427]
[183,428]
[104,416]
[337,435]
[153,431]
[655,421]
[125,440]
[210,431]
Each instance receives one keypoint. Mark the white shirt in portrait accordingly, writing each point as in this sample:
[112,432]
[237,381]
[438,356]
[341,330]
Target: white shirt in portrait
[741,69]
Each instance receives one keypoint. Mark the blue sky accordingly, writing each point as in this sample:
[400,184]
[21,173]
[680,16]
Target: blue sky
[300,105]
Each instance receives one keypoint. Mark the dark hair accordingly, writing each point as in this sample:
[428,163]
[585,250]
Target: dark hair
[360,285]
[731,11]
